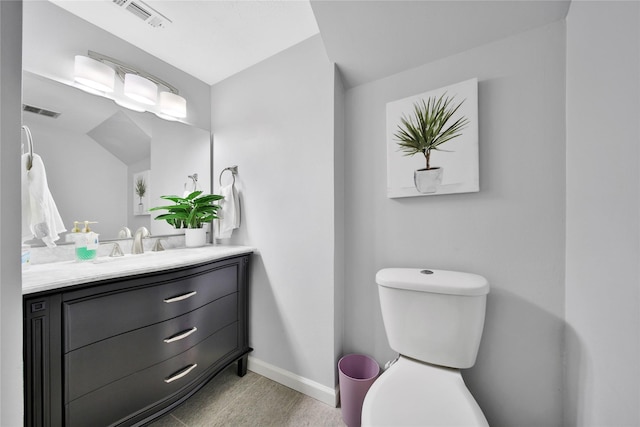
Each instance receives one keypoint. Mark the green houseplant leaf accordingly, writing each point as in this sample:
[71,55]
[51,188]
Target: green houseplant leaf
[428,127]
[191,211]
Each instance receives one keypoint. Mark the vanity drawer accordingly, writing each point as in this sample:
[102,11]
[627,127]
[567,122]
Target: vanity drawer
[95,365]
[124,398]
[96,318]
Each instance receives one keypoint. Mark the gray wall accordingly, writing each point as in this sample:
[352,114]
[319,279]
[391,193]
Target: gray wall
[511,232]
[603,207]
[275,122]
[10,289]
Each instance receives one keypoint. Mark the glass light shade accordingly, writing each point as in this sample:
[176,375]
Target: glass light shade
[129,104]
[140,89]
[173,105]
[93,74]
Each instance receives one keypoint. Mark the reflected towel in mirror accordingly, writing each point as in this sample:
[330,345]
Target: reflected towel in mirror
[40,216]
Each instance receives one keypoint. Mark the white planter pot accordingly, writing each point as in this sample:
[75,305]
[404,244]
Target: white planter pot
[427,180]
[195,237]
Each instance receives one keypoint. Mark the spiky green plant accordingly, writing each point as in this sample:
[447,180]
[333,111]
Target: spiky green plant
[427,129]
[191,211]
[141,188]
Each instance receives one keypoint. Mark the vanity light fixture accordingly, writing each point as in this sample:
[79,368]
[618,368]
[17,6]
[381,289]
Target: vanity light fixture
[138,90]
[173,105]
[93,74]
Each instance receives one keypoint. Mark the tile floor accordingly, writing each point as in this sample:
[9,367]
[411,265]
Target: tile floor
[253,400]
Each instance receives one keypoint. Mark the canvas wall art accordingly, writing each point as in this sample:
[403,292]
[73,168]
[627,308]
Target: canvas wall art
[432,142]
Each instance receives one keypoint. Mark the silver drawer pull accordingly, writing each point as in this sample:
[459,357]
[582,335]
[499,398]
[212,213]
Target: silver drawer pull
[181,373]
[180,335]
[180,297]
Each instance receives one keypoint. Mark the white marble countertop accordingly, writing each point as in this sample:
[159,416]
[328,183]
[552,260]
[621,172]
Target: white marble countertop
[55,275]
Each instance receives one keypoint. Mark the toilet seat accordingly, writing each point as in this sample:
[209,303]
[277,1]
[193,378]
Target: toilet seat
[412,393]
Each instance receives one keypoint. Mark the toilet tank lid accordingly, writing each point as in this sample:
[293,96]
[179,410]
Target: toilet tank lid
[437,281]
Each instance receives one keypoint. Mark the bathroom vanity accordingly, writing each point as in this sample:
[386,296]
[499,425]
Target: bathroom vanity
[124,341]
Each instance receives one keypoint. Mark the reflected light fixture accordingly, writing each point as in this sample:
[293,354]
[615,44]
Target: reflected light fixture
[138,91]
[94,74]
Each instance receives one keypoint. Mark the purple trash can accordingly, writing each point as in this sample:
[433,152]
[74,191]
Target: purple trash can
[357,373]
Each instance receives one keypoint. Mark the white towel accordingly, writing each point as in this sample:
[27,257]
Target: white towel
[40,216]
[229,212]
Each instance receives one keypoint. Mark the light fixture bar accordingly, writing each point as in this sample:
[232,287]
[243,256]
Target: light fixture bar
[122,69]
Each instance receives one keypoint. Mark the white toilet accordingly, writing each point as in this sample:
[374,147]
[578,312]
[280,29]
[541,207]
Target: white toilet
[434,319]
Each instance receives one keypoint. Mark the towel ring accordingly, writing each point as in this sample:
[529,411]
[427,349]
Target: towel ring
[27,131]
[233,170]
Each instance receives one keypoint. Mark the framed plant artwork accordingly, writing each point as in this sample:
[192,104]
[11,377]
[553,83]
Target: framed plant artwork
[432,142]
[141,193]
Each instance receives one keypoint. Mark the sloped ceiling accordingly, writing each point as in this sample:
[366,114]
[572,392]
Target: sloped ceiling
[369,40]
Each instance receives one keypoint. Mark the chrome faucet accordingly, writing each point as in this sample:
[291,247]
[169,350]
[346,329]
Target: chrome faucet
[124,233]
[138,246]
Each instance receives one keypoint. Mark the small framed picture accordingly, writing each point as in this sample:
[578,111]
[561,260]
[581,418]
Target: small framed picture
[141,193]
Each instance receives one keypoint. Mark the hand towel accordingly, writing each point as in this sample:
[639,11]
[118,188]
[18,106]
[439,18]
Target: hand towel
[229,212]
[40,216]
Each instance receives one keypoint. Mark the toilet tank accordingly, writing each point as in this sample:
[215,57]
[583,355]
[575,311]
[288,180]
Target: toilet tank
[435,316]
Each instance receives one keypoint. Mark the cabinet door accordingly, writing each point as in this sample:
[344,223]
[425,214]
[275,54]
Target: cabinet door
[42,361]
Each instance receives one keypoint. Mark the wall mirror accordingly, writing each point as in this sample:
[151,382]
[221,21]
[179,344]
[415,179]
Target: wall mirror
[97,154]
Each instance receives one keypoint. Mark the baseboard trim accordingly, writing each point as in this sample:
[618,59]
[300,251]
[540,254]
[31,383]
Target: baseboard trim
[303,385]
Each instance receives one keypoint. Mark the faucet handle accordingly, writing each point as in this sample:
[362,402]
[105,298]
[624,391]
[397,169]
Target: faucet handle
[116,251]
[157,246]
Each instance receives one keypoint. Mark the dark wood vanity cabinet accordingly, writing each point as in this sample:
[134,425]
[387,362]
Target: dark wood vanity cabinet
[124,351]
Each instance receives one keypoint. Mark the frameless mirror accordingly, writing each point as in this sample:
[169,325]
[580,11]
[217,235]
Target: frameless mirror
[108,164]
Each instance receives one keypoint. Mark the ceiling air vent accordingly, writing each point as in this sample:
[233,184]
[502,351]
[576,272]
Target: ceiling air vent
[144,12]
[40,111]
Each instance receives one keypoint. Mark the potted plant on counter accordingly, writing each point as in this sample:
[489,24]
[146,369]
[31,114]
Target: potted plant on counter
[427,129]
[191,213]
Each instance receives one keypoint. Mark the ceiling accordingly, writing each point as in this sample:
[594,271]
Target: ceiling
[209,39]
[368,40]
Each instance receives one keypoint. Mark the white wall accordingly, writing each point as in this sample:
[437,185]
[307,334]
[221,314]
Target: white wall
[603,210]
[11,405]
[275,121]
[338,214]
[511,232]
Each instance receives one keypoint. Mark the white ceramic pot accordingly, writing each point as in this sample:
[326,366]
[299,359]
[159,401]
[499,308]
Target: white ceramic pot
[195,237]
[427,180]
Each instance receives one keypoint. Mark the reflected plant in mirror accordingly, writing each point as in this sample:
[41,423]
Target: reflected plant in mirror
[141,190]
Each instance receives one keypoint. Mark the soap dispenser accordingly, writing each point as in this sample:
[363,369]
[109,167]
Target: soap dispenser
[86,243]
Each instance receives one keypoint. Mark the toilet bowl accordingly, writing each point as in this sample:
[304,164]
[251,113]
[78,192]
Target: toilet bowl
[411,393]
[434,320]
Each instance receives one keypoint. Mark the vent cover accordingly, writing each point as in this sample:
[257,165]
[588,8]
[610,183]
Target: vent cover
[40,111]
[144,12]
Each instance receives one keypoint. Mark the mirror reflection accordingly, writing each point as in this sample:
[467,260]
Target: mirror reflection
[108,164]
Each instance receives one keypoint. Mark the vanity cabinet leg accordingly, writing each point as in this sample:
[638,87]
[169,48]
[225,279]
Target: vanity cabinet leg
[242,365]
